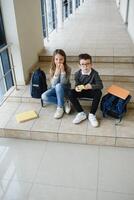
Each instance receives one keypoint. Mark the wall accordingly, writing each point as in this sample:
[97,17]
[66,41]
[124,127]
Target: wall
[123,9]
[131,19]
[23,27]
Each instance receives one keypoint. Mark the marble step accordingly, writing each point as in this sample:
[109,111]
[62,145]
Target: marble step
[23,94]
[120,72]
[63,130]
[43,57]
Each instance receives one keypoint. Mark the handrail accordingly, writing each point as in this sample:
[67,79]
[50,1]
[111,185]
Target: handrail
[4,48]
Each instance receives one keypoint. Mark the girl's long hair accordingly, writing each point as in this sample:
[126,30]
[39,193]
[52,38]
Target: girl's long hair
[53,66]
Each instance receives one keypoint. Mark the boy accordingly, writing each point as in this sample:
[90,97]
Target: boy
[87,84]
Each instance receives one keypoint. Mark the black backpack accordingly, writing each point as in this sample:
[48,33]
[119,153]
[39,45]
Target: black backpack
[38,83]
[114,106]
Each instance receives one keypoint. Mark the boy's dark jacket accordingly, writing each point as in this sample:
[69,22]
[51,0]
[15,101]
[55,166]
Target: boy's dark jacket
[93,78]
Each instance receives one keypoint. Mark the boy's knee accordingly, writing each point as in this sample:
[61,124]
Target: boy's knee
[98,93]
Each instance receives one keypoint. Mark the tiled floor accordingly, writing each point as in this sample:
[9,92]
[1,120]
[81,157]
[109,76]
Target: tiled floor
[39,170]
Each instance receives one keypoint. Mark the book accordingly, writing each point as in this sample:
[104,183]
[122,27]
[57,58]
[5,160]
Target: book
[26,116]
[118,91]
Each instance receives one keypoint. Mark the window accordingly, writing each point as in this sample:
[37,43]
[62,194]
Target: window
[77,3]
[6,79]
[2,33]
[48,9]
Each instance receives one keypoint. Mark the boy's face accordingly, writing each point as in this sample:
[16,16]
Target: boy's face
[85,65]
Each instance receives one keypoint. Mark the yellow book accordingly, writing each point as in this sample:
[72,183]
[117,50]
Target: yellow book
[25,116]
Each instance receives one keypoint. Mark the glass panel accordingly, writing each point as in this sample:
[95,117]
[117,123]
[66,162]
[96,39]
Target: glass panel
[2,83]
[6,69]
[65,9]
[48,9]
[6,79]
[77,3]
[71,7]
[43,18]
[2,33]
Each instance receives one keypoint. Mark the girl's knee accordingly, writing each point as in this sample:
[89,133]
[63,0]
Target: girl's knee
[58,87]
[44,96]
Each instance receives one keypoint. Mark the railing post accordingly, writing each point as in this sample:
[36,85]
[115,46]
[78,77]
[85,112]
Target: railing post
[12,67]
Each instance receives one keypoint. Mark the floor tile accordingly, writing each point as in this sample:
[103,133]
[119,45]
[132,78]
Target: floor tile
[20,159]
[116,172]
[114,196]
[69,165]
[40,192]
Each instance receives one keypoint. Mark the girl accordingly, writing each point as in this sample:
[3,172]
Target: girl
[60,84]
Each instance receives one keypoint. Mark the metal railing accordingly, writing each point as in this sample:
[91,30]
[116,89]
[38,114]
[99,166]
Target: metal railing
[11,70]
[8,47]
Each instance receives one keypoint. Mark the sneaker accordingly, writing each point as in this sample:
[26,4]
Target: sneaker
[67,106]
[79,117]
[93,120]
[59,113]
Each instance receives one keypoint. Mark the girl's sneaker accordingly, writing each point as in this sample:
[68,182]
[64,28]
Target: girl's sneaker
[67,106]
[59,113]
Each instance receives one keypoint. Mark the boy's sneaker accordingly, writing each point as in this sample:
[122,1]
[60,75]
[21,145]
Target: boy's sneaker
[67,106]
[59,113]
[93,120]
[79,117]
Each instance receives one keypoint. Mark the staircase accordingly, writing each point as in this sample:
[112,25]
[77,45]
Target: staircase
[62,130]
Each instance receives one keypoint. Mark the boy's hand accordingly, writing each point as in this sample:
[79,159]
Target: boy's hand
[88,86]
[79,88]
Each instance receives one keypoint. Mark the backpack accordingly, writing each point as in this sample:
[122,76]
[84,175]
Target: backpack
[38,83]
[114,106]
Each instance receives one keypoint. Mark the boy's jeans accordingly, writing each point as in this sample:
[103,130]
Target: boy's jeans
[54,95]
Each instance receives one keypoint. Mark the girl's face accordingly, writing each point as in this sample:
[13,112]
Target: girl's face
[58,59]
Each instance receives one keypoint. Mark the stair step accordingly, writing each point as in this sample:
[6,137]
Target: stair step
[23,94]
[63,130]
[43,57]
[120,72]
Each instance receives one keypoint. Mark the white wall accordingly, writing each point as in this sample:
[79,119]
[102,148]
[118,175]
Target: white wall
[123,9]
[131,19]
[23,26]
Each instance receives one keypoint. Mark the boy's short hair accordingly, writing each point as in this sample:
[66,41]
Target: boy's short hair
[85,56]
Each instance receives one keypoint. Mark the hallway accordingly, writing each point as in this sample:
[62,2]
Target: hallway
[96,28]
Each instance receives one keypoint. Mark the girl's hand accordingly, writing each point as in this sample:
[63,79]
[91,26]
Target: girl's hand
[62,68]
[88,86]
[57,70]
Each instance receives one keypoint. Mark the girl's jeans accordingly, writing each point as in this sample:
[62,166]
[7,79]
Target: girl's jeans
[55,95]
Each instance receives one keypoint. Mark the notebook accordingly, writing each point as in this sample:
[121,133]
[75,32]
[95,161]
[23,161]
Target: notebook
[118,91]
[25,116]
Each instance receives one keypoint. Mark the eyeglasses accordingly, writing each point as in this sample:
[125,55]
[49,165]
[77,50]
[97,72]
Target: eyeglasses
[86,64]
